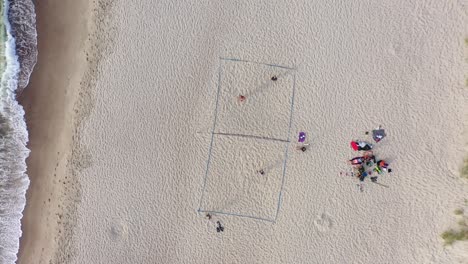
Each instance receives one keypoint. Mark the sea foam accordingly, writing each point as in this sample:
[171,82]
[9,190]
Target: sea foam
[13,132]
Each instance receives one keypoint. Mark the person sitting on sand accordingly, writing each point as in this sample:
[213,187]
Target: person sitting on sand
[363,176]
[369,157]
[356,161]
[382,165]
[359,170]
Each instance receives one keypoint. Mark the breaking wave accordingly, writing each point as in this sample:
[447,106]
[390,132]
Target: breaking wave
[22,18]
[20,58]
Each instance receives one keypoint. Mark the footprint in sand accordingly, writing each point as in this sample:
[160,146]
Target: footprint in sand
[118,230]
[323,222]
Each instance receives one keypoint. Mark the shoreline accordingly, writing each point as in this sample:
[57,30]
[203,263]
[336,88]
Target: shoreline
[49,102]
[132,203]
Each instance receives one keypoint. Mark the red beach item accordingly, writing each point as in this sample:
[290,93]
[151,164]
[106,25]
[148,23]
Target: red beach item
[354,145]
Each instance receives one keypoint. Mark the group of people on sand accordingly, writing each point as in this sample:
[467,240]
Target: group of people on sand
[367,164]
[219,227]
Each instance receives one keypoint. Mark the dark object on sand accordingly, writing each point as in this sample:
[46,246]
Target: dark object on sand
[389,170]
[261,171]
[219,228]
[274,78]
[363,176]
[378,134]
[303,149]
[374,179]
[241,98]
[208,216]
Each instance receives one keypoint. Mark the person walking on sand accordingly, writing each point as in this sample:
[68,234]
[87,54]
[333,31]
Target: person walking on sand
[219,228]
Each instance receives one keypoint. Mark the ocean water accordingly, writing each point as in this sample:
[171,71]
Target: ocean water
[19,48]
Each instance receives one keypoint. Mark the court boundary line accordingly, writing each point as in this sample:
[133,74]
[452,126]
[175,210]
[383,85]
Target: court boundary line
[256,62]
[212,137]
[288,141]
[287,148]
[236,214]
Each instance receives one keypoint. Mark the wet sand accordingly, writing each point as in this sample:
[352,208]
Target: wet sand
[48,101]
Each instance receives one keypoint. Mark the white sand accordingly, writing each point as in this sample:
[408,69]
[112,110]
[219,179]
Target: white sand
[358,64]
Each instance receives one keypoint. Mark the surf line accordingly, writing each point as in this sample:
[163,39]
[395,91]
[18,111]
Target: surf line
[250,136]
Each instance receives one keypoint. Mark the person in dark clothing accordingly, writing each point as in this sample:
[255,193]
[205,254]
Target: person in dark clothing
[219,228]
[363,176]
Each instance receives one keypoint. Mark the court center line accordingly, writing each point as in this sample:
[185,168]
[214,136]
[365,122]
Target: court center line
[238,215]
[250,136]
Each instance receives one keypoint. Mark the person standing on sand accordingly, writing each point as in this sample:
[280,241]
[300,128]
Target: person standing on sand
[219,228]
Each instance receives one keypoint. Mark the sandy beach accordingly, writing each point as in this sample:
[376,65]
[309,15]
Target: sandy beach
[49,101]
[137,131]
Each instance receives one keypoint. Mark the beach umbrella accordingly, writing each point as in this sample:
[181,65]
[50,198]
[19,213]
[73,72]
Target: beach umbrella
[354,145]
[378,134]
